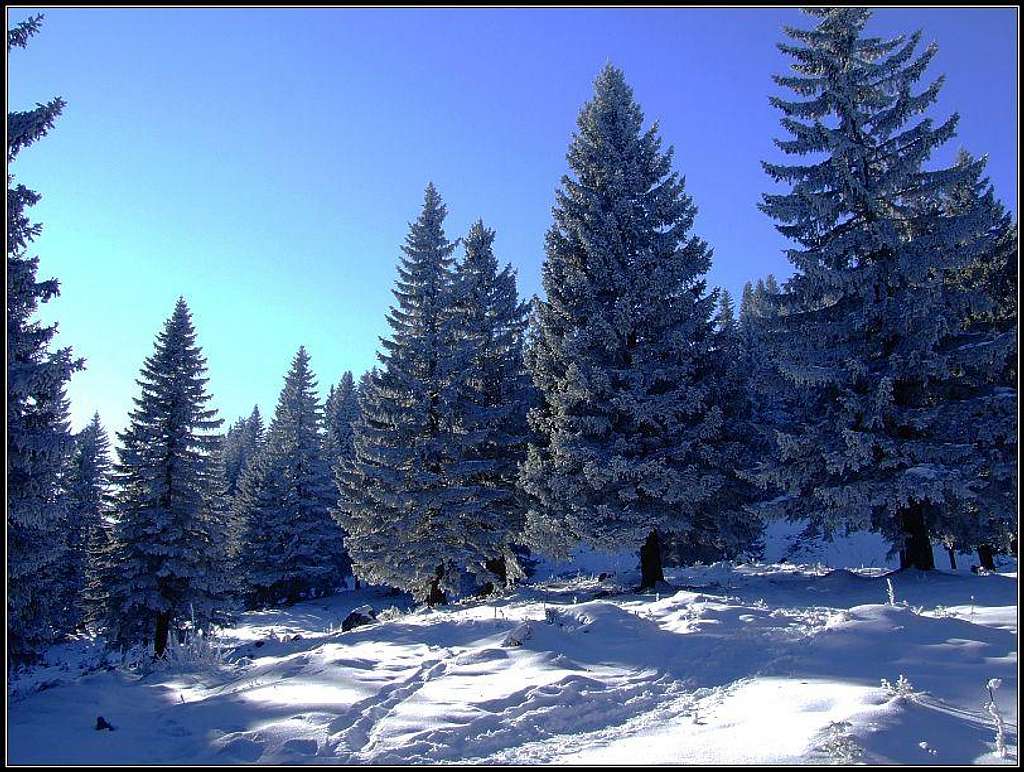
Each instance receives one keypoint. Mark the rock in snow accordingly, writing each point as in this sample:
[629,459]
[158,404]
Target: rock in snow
[364,615]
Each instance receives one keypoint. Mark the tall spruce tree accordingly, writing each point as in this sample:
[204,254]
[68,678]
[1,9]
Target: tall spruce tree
[867,332]
[405,498]
[984,365]
[767,393]
[239,448]
[167,546]
[726,527]
[38,433]
[491,321]
[241,443]
[624,349]
[340,414]
[291,546]
[88,491]
[735,529]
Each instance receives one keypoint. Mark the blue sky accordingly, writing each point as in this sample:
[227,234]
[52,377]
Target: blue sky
[265,163]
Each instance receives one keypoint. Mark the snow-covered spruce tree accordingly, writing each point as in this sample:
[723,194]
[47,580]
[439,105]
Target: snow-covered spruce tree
[241,444]
[101,572]
[727,528]
[291,545]
[340,414]
[362,389]
[167,547]
[725,317]
[767,391]
[231,451]
[756,303]
[866,329]
[405,501]
[364,383]
[983,366]
[88,490]
[624,349]
[38,433]
[491,321]
[739,529]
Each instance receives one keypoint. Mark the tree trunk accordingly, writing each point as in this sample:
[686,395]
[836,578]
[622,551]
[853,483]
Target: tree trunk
[163,626]
[917,548]
[650,562]
[357,582]
[952,557]
[987,557]
[497,567]
[436,595]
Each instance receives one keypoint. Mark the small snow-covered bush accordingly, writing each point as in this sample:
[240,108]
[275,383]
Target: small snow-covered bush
[138,657]
[901,690]
[194,651]
[839,746]
[389,614]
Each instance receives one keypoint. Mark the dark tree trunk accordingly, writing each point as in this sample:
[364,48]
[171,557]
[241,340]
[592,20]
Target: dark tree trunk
[163,626]
[987,557]
[436,595]
[497,567]
[356,578]
[650,562]
[917,548]
[952,557]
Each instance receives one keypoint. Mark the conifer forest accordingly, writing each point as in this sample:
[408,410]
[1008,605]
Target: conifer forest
[634,517]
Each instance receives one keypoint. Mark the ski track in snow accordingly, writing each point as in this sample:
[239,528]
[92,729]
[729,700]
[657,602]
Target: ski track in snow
[743,664]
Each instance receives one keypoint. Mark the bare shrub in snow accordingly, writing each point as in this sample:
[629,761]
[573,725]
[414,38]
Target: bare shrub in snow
[997,716]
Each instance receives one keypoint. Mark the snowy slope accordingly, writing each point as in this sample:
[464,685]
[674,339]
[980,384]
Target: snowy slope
[744,664]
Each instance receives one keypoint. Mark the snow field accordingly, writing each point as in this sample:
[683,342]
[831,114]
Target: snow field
[736,664]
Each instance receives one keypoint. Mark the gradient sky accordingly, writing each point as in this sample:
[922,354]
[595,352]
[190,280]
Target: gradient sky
[265,163]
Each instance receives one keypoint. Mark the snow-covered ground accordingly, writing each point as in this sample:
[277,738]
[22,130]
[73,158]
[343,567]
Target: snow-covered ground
[744,664]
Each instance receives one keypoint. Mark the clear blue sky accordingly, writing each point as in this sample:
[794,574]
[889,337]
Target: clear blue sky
[265,163]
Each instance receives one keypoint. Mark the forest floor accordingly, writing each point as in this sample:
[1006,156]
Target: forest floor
[741,664]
